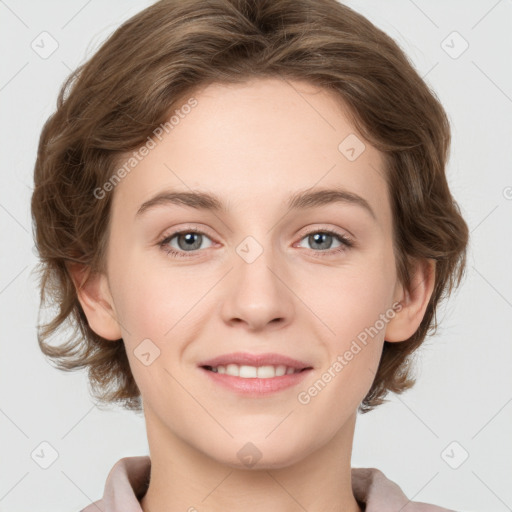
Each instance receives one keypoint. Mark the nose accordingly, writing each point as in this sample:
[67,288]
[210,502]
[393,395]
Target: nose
[257,294]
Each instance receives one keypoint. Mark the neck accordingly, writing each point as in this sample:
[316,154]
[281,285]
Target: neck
[184,478]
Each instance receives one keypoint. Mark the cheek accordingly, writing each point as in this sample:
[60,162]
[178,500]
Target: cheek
[154,315]
[350,300]
[352,303]
[146,311]
[353,352]
[151,299]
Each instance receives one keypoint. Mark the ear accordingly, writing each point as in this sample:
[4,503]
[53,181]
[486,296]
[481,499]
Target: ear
[413,302]
[94,295]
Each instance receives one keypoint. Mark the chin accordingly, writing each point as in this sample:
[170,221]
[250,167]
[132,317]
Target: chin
[262,454]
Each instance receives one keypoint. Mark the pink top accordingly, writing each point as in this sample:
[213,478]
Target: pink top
[128,481]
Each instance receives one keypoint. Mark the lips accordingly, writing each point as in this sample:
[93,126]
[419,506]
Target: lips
[242,359]
[255,374]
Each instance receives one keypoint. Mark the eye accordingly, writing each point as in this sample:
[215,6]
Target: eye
[322,241]
[185,243]
[181,242]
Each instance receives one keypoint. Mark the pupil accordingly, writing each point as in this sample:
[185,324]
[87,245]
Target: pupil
[318,237]
[190,241]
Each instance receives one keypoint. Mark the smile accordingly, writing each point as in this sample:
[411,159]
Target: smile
[253,372]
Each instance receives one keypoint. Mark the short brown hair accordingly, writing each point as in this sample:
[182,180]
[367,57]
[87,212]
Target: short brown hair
[113,102]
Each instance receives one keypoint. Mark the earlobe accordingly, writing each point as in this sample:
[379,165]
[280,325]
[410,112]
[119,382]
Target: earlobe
[95,298]
[414,302]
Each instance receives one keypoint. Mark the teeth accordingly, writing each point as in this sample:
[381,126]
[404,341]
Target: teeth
[266,372]
[253,372]
[248,372]
[281,370]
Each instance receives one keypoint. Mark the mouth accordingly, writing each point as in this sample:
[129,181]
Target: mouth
[255,374]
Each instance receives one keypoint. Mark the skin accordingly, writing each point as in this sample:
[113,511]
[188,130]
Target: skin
[253,144]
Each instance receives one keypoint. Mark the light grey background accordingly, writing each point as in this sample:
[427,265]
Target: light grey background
[464,391]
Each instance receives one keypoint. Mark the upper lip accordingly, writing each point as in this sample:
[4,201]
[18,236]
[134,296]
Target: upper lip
[244,358]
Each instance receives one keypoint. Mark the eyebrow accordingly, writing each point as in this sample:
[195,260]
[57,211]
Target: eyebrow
[300,200]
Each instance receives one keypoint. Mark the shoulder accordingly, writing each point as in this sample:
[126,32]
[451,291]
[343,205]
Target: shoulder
[378,493]
[94,507]
[126,483]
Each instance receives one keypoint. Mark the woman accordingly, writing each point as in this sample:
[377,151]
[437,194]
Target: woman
[242,206]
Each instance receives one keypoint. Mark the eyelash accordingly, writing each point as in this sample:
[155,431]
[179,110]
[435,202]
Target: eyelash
[346,243]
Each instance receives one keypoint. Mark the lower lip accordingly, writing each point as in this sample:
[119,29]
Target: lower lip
[256,386]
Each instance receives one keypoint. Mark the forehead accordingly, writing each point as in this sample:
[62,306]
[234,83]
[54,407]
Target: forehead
[256,143]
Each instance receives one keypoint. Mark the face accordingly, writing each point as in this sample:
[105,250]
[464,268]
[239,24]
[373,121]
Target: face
[215,304]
